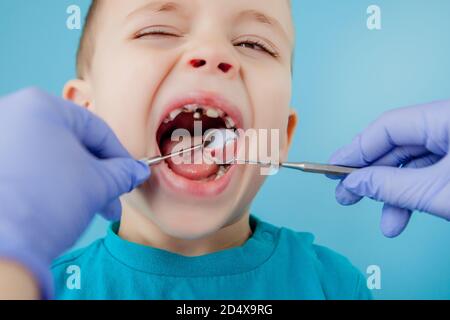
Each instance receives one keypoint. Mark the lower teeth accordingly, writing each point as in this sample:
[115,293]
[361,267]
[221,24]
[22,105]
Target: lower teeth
[221,172]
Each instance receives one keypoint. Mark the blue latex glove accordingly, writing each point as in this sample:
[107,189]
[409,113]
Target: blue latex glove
[59,165]
[405,153]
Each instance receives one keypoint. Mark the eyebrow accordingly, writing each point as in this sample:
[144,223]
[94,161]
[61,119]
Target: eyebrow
[264,19]
[157,7]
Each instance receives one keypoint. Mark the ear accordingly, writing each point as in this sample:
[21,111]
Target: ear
[291,127]
[79,92]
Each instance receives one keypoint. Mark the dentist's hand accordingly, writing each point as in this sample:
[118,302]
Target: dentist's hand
[407,166]
[59,165]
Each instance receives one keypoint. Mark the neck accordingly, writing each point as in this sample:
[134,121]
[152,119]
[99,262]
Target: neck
[135,227]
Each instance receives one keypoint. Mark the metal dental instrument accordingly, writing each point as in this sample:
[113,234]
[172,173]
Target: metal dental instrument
[211,138]
[311,167]
[319,168]
[207,141]
[157,160]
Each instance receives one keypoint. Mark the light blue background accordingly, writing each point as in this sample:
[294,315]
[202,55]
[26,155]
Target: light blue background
[345,76]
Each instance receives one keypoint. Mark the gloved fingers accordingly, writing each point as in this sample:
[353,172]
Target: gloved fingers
[394,220]
[113,211]
[346,197]
[120,176]
[398,156]
[399,187]
[425,161]
[396,128]
[350,155]
[401,155]
[89,129]
[96,135]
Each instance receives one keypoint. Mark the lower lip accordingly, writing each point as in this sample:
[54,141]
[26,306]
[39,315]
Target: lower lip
[200,189]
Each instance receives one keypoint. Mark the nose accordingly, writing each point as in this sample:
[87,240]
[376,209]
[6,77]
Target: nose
[214,61]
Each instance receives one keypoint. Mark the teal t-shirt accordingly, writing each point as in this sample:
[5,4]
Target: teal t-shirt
[274,263]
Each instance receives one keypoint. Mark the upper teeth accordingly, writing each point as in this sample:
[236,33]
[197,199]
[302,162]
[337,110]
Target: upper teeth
[198,111]
[191,107]
[197,115]
[212,113]
[175,113]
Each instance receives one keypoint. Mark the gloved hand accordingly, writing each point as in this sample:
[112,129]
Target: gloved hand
[405,155]
[59,165]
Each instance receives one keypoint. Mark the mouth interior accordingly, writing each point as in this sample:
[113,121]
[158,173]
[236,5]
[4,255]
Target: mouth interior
[192,166]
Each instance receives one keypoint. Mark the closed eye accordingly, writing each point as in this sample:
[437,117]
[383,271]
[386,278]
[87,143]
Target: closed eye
[258,46]
[156,33]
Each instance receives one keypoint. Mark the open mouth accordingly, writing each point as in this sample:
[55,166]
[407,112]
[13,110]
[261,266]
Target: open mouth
[195,118]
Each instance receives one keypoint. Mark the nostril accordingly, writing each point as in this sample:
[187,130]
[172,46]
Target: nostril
[225,67]
[197,63]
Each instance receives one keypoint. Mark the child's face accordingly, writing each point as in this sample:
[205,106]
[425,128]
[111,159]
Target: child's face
[151,57]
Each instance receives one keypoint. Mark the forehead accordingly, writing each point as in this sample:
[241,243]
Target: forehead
[273,13]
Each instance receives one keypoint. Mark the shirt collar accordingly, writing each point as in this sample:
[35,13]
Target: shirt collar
[254,252]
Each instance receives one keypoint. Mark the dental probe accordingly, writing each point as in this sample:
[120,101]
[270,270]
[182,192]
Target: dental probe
[157,160]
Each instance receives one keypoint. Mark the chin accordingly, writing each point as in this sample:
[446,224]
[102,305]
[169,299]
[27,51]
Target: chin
[186,229]
[184,217]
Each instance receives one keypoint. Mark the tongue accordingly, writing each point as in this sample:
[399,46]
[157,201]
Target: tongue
[191,165]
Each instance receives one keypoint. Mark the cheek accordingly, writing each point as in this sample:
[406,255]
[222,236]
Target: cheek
[271,96]
[125,84]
